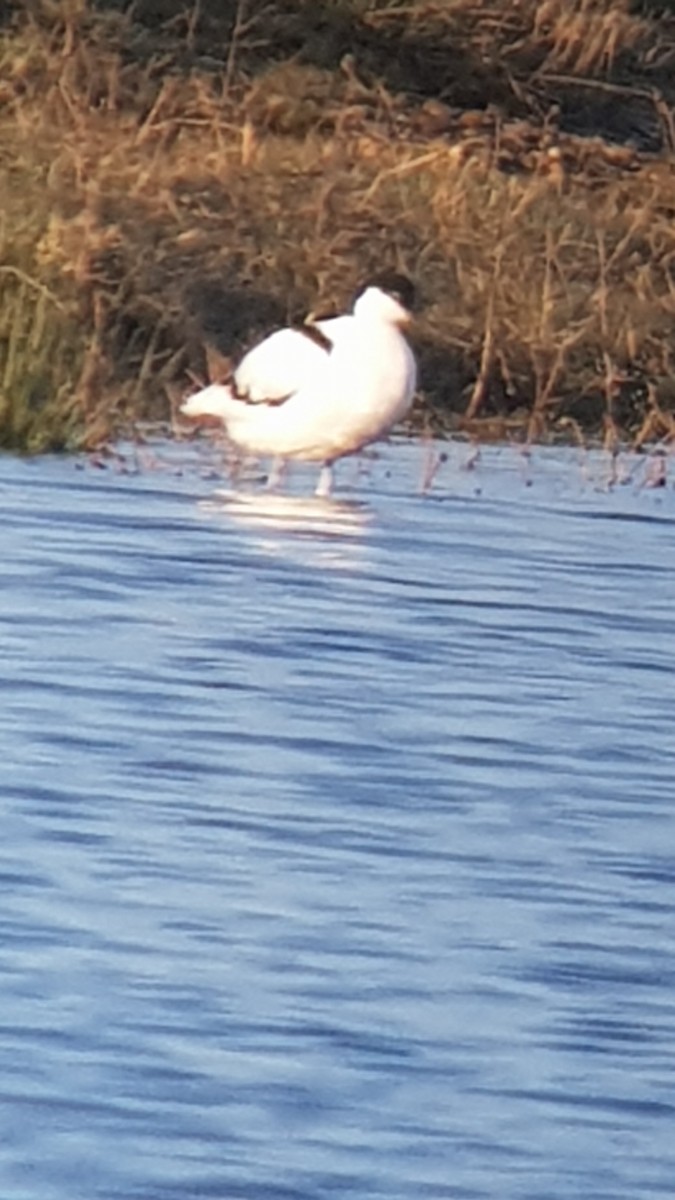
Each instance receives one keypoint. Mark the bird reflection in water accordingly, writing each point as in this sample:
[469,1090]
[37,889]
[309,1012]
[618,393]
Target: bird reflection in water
[309,529]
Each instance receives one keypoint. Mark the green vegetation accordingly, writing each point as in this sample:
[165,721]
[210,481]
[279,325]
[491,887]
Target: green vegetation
[176,178]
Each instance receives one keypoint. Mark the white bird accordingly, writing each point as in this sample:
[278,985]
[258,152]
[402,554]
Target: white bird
[323,390]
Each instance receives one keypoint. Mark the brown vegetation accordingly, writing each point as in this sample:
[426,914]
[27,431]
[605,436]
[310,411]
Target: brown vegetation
[177,177]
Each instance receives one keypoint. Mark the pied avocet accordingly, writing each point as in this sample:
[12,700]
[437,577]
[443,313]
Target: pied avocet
[323,390]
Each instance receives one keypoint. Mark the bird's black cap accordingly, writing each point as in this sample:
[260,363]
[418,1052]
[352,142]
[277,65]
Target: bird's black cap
[399,287]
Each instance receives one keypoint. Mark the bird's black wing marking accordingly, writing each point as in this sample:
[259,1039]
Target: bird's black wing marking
[308,330]
[237,394]
[273,402]
[315,335]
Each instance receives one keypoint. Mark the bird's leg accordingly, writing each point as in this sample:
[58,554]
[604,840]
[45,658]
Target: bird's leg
[277,473]
[323,487]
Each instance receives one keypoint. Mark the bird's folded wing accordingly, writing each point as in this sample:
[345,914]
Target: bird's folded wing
[282,364]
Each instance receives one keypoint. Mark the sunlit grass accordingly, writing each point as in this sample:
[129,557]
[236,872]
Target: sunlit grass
[152,205]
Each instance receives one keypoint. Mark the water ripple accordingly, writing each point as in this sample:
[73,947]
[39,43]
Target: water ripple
[336,854]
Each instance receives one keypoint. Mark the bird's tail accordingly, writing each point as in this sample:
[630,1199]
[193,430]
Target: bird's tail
[216,400]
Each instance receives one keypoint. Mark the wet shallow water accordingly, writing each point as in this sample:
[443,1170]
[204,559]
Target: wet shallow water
[338,849]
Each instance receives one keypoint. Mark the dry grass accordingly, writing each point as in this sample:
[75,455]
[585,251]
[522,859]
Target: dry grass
[159,195]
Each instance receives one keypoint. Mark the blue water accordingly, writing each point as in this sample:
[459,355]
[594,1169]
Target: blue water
[338,841]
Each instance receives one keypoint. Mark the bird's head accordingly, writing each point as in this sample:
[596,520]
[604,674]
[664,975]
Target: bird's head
[388,297]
